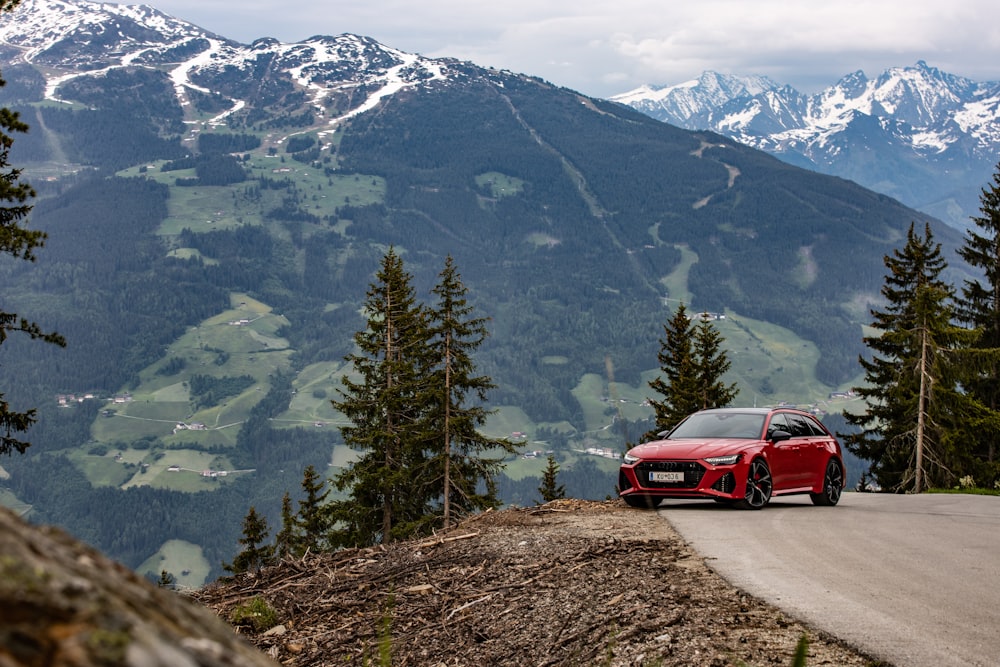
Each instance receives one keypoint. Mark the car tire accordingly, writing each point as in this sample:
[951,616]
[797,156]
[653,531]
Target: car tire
[759,486]
[642,502]
[833,484]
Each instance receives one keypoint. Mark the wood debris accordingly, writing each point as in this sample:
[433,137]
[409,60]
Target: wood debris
[568,583]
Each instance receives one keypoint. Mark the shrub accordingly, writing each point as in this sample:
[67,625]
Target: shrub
[256,613]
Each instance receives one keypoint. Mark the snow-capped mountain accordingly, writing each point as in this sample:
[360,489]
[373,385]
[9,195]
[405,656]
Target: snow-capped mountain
[687,104]
[926,137]
[70,40]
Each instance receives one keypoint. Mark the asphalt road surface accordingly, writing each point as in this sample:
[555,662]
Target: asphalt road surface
[912,580]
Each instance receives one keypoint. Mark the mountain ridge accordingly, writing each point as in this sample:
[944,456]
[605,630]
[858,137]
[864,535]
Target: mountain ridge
[72,36]
[939,132]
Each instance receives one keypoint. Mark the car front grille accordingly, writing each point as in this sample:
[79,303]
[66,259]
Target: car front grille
[693,472]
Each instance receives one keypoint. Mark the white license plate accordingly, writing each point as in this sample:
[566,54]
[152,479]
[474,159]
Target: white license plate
[666,477]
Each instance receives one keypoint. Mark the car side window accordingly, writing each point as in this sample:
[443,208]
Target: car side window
[800,427]
[815,426]
[778,423]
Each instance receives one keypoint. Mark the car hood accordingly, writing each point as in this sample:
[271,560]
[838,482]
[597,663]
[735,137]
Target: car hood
[691,448]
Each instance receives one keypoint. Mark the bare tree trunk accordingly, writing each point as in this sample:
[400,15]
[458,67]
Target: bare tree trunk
[388,495]
[918,480]
[447,432]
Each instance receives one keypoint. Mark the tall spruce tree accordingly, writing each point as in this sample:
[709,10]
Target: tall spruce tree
[255,554]
[712,364]
[550,488]
[692,363]
[678,384]
[911,429]
[386,400]
[286,542]
[313,521]
[979,306]
[20,243]
[461,469]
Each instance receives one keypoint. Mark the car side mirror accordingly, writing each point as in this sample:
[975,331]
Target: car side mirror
[780,436]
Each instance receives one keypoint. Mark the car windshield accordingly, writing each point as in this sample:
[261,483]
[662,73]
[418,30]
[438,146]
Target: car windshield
[719,425]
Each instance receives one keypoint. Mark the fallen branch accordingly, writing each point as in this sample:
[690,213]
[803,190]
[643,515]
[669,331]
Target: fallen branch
[442,540]
[469,604]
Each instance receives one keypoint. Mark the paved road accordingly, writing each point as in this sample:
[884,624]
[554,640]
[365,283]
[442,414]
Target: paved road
[912,580]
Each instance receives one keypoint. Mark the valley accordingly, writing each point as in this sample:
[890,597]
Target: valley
[207,262]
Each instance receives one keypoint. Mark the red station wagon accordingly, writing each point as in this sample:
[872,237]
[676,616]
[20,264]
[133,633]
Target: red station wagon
[739,456]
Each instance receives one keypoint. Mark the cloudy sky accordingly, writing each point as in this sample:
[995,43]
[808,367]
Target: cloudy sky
[608,47]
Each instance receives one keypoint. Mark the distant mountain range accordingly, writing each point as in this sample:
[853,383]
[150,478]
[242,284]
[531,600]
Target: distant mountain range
[926,137]
[217,211]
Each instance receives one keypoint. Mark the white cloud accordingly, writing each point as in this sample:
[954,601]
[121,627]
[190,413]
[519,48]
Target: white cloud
[602,48]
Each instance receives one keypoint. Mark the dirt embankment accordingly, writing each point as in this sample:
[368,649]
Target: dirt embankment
[568,583]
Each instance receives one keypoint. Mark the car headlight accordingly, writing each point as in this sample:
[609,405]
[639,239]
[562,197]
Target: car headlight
[629,459]
[727,460]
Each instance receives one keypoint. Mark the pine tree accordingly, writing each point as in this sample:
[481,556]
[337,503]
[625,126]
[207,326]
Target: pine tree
[255,554]
[386,401]
[20,243]
[712,364]
[692,363]
[914,405]
[312,522]
[460,467]
[551,489]
[286,542]
[678,384]
[167,580]
[980,307]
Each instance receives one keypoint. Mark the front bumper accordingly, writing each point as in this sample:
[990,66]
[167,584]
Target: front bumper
[700,480]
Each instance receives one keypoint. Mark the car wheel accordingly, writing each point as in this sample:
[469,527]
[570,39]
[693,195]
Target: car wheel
[833,483]
[642,502]
[759,486]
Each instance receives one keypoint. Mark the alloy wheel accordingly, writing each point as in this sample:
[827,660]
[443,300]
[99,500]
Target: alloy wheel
[759,486]
[833,483]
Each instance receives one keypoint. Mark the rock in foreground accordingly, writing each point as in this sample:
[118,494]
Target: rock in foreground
[62,604]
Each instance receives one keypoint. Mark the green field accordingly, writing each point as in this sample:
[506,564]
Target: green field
[161,412]
[500,185]
[13,503]
[522,467]
[242,340]
[182,559]
[175,469]
[676,282]
[205,208]
[315,386]
[342,457]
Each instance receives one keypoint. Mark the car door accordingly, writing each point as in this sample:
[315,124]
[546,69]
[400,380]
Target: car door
[783,456]
[808,445]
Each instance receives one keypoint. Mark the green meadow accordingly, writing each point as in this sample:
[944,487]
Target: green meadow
[203,208]
[184,560]
[160,415]
[13,503]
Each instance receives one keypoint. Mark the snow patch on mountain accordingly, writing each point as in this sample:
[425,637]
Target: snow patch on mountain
[79,38]
[915,132]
